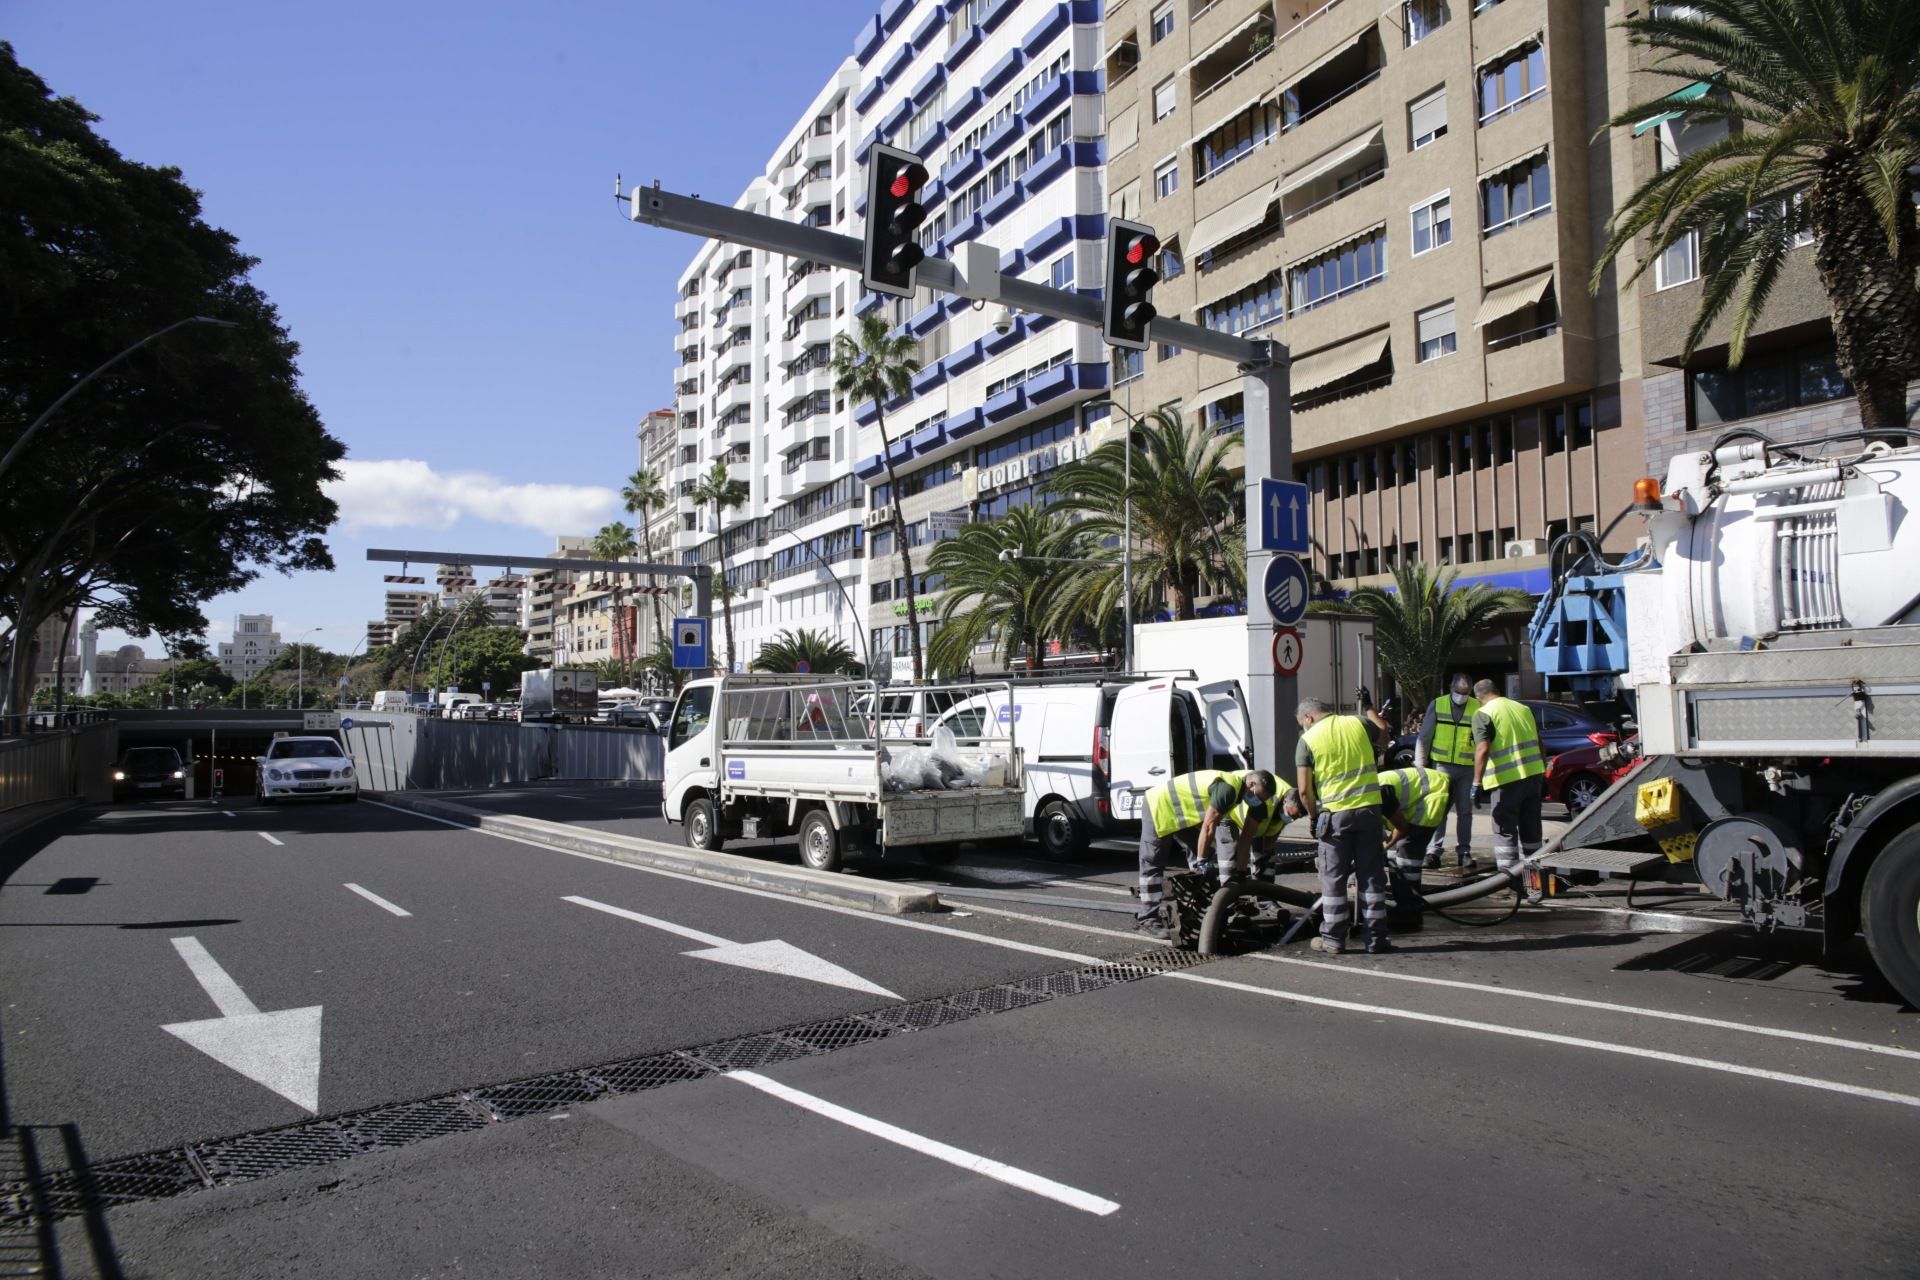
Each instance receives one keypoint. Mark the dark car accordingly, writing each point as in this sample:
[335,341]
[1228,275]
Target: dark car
[146,772]
[1577,777]
[631,716]
[1562,728]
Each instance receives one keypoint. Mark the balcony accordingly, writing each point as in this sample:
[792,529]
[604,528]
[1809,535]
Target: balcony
[810,474]
[1230,59]
[1336,174]
[687,309]
[816,147]
[816,193]
[733,396]
[808,332]
[1339,77]
[815,286]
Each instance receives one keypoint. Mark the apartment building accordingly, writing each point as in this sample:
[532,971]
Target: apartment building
[1002,99]
[1411,198]
[542,592]
[755,392]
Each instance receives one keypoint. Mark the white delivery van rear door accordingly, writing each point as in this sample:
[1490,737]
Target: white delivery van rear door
[1138,746]
[1223,710]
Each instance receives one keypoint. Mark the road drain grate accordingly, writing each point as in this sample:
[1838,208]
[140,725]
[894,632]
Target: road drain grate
[157,1175]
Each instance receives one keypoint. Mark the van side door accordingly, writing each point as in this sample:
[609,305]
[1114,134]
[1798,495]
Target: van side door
[1138,749]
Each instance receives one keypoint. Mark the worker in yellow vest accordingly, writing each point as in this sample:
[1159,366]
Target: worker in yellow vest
[1446,743]
[1191,807]
[1414,802]
[1340,787]
[1507,760]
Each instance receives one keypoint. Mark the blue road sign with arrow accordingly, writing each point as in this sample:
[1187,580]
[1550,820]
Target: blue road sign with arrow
[690,647]
[1286,589]
[1283,516]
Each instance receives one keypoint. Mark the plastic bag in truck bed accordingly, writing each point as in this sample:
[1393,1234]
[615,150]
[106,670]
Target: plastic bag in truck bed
[939,767]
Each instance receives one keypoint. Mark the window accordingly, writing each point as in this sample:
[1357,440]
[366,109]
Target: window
[1553,430]
[1128,365]
[1338,272]
[1766,383]
[1165,98]
[1170,266]
[1228,413]
[1582,424]
[921,123]
[1513,81]
[1126,202]
[1250,308]
[1678,263]
[1434,332]
[1427,118]
[1166,178]
[1503,446]
[1062,272]
[1432,223]
[1421,18]
[1516,194]
[1162,19]
[1254,127]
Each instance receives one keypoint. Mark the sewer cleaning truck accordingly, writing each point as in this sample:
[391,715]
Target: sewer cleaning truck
[1767,637]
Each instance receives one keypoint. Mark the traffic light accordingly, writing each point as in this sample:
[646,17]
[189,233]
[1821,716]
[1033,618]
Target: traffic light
[895,181]
[1128,309]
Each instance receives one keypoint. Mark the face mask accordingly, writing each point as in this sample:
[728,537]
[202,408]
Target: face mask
[1459,699]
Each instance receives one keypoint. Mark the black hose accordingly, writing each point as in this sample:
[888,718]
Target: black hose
[1213,924]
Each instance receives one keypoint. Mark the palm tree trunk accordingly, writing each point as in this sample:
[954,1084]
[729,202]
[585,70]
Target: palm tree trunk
[900,540]
[726,596]
[1876,309]
[646,549]
[1180,598]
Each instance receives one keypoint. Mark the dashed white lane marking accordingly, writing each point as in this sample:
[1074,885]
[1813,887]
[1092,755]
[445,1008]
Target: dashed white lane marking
[1550,1037]
[1060,1192]
[270,840]
[228,812]
[1092,886]
[377,900]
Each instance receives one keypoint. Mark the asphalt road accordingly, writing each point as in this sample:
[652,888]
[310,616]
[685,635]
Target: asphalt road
[1551,1094]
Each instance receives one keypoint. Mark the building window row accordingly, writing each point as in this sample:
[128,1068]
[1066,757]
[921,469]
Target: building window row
[842,494]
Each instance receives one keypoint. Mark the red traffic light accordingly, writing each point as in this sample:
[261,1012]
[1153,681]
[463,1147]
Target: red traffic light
[905,181]
[1140,249]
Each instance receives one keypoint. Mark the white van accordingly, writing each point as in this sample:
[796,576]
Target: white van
[1093,747]
[391,700]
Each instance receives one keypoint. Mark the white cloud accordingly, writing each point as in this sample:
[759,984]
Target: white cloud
[400,493]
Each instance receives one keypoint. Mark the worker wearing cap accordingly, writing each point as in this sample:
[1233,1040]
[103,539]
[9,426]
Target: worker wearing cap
[1507,760]
[1446,743]
[1191,807]
[1414,802]
[1340,788]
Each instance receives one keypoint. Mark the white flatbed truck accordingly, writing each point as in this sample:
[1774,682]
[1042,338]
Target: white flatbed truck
[755,757]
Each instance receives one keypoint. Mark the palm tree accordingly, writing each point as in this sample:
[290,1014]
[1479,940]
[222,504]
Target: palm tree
[876,366]
[823,654]
[1822,95]
[614,541]
[1419,623]
[723,493]
[1186,518]
[644,492]
[999,581]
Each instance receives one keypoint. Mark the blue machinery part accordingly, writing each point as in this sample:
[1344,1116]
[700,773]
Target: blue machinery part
[1579,634]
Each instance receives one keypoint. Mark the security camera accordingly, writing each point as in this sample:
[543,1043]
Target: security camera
[1003,323]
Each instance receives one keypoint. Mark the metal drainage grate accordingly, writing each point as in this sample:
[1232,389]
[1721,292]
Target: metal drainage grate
[156,1175]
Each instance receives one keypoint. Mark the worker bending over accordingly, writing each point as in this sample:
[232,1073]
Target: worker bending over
[1340,788]
[1191,807]
[1507,759]
[1414,802]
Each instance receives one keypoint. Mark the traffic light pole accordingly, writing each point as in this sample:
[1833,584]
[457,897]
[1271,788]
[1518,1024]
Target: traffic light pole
[1263,365]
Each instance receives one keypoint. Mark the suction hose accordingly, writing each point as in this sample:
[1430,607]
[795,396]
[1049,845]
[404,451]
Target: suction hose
[1213,926]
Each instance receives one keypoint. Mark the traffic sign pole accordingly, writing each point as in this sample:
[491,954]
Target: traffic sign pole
[1268,430]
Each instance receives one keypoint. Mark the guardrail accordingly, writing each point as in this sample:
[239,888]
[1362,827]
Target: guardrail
[65,763]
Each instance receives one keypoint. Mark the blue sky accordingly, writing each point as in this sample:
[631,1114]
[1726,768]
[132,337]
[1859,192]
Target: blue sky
[429,188]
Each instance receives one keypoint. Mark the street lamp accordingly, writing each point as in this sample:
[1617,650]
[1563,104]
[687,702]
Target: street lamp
[300,675]
[54,408]
[853,614]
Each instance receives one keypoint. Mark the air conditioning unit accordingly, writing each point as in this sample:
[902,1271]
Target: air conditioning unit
[1521,548]
[879,516]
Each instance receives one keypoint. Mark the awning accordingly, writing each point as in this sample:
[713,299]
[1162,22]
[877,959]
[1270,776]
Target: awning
[1692,93]
[1324,368]
[1238,27]
[1509,298]
[1224,120]
[1234,219]
[1330,161]
[1131,38]
[1219,391]
[1538,37]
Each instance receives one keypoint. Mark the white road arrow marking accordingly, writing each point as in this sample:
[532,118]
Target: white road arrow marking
[771,956]
[280,1050]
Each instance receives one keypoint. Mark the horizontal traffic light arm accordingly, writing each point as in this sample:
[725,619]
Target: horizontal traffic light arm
[701,575]
[660,208]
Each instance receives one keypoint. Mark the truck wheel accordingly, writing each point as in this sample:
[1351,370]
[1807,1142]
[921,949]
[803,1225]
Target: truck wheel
[819,841]
[1890,910]
[1060,834]
[703,827]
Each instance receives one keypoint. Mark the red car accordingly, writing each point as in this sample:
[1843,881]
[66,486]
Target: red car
[1576,778]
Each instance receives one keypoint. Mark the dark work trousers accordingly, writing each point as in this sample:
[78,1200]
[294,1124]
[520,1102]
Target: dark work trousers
[1516,822]
[1157,853]
[1351,846]
[1460,803]
[1406,855]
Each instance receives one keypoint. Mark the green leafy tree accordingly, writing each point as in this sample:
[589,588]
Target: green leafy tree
[998,583]
[194,671]
[615,542]
[658,665]
[641,495]
[180,471]
[1821,96]
[1418,625]
[488,656]
[720,491]
[873,364]
[396,662]
[823,654]
[1187,520]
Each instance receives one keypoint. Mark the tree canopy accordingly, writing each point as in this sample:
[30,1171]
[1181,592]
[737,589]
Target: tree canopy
[185,469]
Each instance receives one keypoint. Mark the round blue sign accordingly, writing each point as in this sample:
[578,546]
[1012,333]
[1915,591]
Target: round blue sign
[1286,589]
[345,723]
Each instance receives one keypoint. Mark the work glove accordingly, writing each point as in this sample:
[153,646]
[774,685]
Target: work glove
[1362,697]
[1479,795]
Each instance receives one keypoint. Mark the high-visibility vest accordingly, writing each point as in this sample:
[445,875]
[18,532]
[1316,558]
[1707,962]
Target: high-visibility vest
[1515,751]
[1182,802]
[1271,819]
[1452,732]
[1422,794]
[1345,774]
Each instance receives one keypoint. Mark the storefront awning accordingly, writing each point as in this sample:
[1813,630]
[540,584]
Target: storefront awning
[1324,368]
[1692,93]
[1509,298]
[1332,160]
[1241,216]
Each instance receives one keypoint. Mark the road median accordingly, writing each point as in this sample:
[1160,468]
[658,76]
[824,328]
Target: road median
[727,868]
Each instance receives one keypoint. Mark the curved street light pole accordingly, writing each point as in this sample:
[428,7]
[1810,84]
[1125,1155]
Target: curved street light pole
[853,614]
[13,451]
